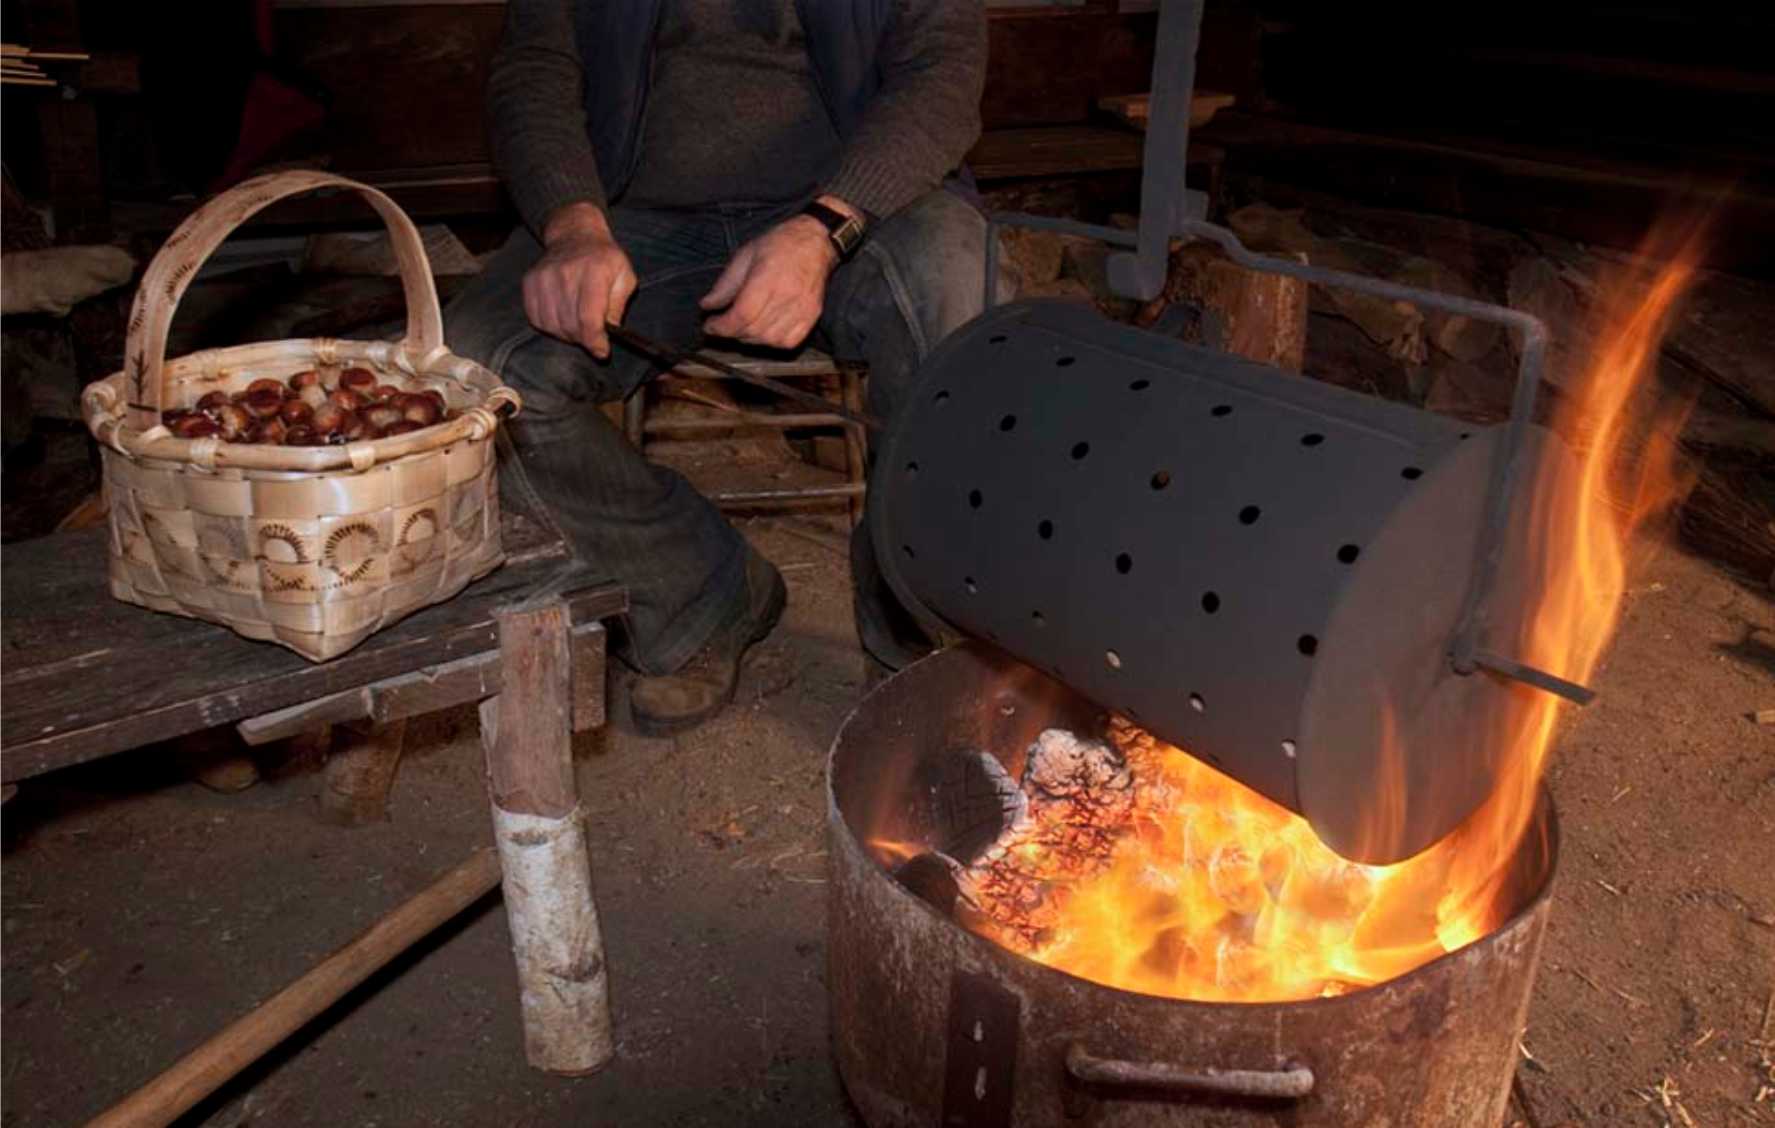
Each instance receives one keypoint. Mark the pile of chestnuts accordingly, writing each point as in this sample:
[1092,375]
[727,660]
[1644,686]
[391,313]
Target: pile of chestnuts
[306,412]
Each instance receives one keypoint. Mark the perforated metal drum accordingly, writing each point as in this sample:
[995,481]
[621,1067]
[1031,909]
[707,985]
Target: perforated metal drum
[1260,568]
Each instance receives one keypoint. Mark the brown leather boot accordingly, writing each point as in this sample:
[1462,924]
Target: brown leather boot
[676,702]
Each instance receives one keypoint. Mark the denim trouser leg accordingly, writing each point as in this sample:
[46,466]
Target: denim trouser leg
[917,278]
[637,523]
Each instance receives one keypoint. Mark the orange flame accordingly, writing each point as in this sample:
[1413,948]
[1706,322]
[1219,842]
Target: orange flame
[1215,893]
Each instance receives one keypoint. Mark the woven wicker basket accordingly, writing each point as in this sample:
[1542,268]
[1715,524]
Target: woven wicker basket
[311,547]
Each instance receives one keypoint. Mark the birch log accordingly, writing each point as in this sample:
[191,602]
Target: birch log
[539,828]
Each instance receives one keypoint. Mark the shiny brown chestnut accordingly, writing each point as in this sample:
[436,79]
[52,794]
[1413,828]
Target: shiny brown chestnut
[313,395]
[345,398]
[353,427]
[300,435]
[196,426]
[264,403]
[328,417]
[266,384]
[381,415]
[418,409]
[384,392]
[306,379]
[272,431]
[233,420]
[210,401]
[357,379]
[293,411]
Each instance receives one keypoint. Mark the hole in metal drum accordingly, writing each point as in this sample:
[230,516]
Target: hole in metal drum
[1307,644]
[1124,563]
[1161,479]
[1045,530]
[1210,602]
[1249,515]
[1348,553]
[1080,450]
[1007,423]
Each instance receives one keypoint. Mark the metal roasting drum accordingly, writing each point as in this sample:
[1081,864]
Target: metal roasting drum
[1320,593]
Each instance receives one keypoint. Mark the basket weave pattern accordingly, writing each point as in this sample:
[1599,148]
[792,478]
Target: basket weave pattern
[311,547]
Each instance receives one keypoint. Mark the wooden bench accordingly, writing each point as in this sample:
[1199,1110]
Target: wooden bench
[86,676]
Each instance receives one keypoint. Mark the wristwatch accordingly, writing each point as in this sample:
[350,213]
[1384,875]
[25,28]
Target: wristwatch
[845,231]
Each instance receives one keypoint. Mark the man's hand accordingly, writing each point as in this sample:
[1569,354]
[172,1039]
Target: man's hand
[582,281]
[772,292]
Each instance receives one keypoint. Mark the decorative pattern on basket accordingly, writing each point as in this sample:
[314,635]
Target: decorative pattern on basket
[312,547]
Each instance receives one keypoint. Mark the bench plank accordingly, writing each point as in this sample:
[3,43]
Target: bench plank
[85,675]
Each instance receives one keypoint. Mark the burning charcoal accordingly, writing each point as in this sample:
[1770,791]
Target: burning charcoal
[1062,765]
[932,877]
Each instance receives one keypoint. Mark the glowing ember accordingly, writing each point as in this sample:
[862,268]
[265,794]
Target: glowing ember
[1136,865]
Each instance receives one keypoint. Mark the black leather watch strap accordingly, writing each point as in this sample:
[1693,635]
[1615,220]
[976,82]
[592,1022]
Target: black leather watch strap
[846,232]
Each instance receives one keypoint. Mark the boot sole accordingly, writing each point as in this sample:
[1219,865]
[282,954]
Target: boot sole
[660,727]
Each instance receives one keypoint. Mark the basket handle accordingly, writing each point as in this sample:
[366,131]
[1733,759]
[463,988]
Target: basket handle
[188,247]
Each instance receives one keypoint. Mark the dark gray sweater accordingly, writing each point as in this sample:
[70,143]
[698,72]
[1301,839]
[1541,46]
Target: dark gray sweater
[728,137]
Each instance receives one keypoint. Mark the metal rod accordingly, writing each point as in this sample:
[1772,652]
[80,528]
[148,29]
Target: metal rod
[673,358]
[1528,675]
[741,420]
[1290,1083]
[804,493]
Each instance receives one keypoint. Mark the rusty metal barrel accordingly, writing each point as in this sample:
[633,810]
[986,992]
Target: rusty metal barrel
[1261,568]
[932,1024]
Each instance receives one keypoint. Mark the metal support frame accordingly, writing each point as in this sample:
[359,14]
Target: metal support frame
[1166,212]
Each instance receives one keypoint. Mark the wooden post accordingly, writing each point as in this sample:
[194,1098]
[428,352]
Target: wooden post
[360,772]
[204,1070]
[539,828]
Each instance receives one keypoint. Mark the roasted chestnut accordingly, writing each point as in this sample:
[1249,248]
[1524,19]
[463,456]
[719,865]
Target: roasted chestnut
[210,401]
[293,411]
[353,427]
[307,379]
[300,435]
[345,398]
[266,384]
[384,392]
[271,431]
[313,395]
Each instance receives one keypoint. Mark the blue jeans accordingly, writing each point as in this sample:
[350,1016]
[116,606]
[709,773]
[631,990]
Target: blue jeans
[917,277]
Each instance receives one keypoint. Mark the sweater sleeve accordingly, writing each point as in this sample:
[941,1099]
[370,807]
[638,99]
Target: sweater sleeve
[536,111]
[926,114]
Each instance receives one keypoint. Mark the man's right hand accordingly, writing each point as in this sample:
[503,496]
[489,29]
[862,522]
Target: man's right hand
[583,280]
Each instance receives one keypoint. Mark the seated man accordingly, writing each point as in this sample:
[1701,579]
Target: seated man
[696,167]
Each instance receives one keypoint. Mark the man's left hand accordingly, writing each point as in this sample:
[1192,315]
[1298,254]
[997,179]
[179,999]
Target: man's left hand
[773,290]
